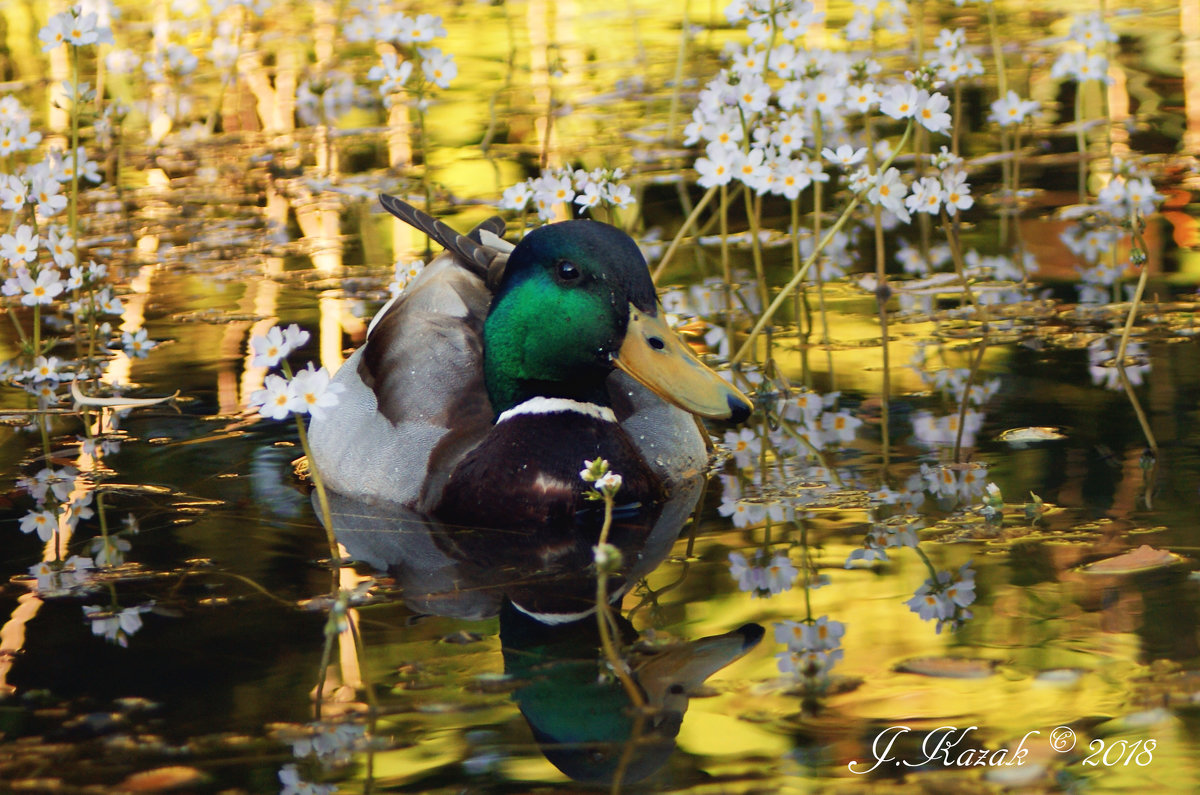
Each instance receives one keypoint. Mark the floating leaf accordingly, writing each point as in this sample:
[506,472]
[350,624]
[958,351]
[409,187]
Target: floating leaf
[949,667]
[1144,558]
[164,779]
[1023,437]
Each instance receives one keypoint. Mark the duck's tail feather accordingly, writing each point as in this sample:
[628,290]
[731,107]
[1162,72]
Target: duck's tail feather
[482,260]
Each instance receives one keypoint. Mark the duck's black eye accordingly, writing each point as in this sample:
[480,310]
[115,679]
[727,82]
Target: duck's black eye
[567,271]
[656,343]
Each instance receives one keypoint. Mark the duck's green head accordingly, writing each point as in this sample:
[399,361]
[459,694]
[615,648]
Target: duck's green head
[576,301]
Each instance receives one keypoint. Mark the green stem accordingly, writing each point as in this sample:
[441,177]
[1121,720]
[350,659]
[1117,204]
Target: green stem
[1081,143]
[683,230]
[603,618]
[796,280]
[966,398]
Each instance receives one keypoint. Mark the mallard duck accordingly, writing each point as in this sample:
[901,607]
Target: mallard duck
[482,388]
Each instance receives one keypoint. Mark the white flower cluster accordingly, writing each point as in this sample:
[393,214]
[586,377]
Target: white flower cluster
[1012,111]
[813,647]
[945,598]
[897,532]
[1085,59]
[1098,228]
[57,498]
[763,577]
[403,275]
[411,34]
[556,190]
[606,482]
[325,100]
[75,28]
[759,119]
[115,625]
[309,391]
[953,61]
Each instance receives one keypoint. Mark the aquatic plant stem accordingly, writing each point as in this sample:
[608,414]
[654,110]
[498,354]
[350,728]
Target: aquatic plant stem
[966,398]
[1143,422]
[683,230]
[335,555]
[1081,143]
[997,51]
[607,646]
[796,280]
[754,215]
[726,270]
[960,266]
[818,195]
[1140,244]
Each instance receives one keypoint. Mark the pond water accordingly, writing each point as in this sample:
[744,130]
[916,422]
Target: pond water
[960,561]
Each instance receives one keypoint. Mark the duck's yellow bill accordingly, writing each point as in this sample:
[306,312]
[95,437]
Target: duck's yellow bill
[654,355]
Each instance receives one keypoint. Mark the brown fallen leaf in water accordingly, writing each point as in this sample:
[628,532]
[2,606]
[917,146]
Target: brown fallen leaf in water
[163,779]
[1144,558]
[949,667]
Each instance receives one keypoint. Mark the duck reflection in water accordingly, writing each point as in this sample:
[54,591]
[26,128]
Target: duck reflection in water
[455,455]
[543,587]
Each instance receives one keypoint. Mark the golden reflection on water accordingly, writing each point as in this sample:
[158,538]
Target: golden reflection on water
[561,105]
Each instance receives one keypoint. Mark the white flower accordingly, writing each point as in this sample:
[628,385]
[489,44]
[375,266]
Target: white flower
[749,578]
[62,247]
[403,275]
[901,101]
[819,635]
[930,604]
[861,98]
[115,627]
[1012,110]
[392,73]
[715,168]
[273,399]
[608,484]
[841,424]
[516,197]
[427,27]
[294,337]
[748,167]
[439,67]
[45,190]
[85,29]
[780,574]
[591,194]
[956,193]
[19,246]
[292,784]
[13,192]
[845,155]
[43,369]
[745,446]
[55,31]
[43,290]
[926,196]
[618,195]
[742,513]
[44,523]
[933,114]
[313,393]
[136,344]
[889,191]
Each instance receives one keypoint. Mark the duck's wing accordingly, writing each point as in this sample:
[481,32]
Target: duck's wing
[415,400]
[483,251]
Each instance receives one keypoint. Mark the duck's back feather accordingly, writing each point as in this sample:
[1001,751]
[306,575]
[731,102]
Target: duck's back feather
[415,400]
